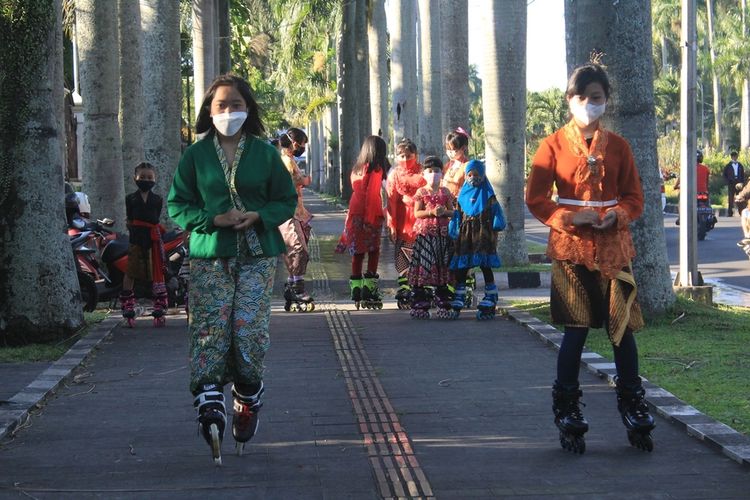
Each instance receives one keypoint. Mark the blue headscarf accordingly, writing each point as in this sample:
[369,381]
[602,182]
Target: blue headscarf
[473,200]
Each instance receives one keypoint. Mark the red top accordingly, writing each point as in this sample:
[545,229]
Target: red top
[701,180]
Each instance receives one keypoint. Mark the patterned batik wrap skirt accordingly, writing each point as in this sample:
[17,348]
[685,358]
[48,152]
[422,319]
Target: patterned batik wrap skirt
[581,297]
[296,234]
[230,309]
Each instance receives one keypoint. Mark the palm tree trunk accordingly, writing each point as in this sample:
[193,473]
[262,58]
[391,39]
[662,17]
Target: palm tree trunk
[430,116]
[204,46]
[454,53]
[403,69]
[131,89]
[362,72]
[160,22]
[96,26]
[377,35]
[39,297]
[225,37]
[348,128]
[745,110]
[718,133]
[504,110]
[614,30]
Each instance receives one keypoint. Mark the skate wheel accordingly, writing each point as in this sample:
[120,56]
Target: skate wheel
[131,322]
[159,322]
[356,305]
[641,441]
[312,307]
[215,444]
[239,447]
[287,307]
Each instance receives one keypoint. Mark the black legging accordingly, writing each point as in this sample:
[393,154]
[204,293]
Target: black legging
[489,276]
[569,357]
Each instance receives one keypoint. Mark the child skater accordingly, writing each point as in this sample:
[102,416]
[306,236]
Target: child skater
[364,222]
[146,252]
[296,231]
[473,229]
[456,149]
[402,184]
[433,208]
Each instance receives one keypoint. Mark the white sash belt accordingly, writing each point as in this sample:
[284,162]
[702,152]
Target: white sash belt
[581,203]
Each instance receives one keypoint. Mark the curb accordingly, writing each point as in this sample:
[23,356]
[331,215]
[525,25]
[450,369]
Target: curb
[45,385]
[717,435]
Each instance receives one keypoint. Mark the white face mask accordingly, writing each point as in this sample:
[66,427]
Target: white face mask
[588,113]
[432,178]
[229,124]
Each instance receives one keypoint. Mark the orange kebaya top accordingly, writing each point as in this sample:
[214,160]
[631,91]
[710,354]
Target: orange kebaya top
[453,176]
[603,171]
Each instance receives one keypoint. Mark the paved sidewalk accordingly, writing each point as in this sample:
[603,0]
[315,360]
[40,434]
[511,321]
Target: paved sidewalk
[359,404]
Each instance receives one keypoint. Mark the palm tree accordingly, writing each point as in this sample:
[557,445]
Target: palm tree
[403,69]
[377,35]
[718,132]
[348,131]
[131,88]
[204,48]
[454,53]
[96,27]
[614,29]
[224,36]
[160,22]
[430,114]
[504,107]
[362,71]
[39,297]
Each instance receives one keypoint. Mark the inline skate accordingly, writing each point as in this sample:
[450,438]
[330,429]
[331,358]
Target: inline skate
[634,411]
[212,417]
[355,287]
[161,304]
[127,303]
[487,307]
[297,299]
[403,294]
[471,286]
[459,301]
[443,302]
[245,418]
[569,418]
[371,298]
[420,303]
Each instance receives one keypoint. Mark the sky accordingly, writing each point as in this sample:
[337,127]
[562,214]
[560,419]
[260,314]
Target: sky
[545,42]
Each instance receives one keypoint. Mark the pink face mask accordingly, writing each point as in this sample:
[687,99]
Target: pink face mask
[432,178]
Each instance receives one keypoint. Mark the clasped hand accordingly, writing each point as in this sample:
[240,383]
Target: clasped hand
[236,219]
[590,217]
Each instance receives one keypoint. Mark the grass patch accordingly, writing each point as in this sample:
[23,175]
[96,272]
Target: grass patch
[50,351]
[329,198]
[336,265]
[528,268]
[532,247]
[702,358]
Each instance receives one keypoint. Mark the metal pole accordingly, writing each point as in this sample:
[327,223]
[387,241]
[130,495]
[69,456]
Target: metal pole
[688,275]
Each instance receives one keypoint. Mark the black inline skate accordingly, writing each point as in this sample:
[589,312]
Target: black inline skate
[487,307]
[355,287]
[421,301]
[459,301]
[444,302]
[569,418]
[297,299]
[245,418]
[403,294]
[634,411]
[371,298]
[212,417]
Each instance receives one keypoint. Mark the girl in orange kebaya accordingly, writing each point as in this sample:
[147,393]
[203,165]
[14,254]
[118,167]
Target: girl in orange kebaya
[456,148]
[591,249]
[364,222]
[401,186]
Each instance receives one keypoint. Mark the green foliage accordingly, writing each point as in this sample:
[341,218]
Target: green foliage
[476,118]
[546,111]
[700,357]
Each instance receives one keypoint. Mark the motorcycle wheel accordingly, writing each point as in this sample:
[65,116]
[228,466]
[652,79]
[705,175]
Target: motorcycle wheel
[89,292]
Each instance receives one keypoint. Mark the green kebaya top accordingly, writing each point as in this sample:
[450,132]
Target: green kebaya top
[200,192]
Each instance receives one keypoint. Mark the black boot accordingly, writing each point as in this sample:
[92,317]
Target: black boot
[569,418]
[635,415]
[245,419]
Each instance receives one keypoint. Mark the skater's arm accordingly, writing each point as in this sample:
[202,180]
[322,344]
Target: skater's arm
[184,202]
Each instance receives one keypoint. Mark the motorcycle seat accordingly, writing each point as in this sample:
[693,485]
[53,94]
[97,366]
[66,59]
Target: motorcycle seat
[114,250]
[171,236]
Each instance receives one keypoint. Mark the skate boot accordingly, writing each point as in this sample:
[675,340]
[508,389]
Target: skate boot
[245,419]
[634,411]
[127,303]
[459,301]
[568,417]
[471,286]
[443,301]
[288,296]
[420,303]
[403,294]
[371,298]
[487,307]
[355,286]
[212,417]
[161,304]
[297,299]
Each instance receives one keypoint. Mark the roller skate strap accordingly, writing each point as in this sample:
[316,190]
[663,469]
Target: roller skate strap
[209,397]
[249,400]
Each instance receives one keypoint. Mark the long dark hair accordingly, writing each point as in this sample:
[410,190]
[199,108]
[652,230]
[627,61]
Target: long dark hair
[585,74]
[293,134]
[253,124]
[373,154]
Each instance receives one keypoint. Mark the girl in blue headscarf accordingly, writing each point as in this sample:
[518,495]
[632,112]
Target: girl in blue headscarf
[474,229]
